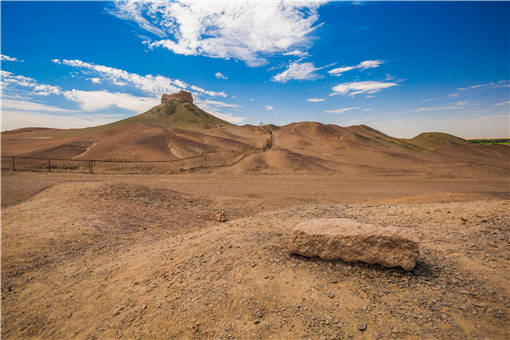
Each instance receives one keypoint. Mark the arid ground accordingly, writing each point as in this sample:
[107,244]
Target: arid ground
[138,257]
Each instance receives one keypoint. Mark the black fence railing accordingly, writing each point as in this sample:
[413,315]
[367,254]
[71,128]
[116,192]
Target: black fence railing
[205,160]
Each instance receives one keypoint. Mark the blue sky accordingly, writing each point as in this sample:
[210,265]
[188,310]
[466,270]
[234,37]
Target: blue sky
[403,68]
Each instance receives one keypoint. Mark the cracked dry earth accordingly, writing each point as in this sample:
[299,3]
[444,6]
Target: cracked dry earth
[99,260]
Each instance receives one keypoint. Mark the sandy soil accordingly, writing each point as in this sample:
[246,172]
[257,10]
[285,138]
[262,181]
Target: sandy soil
[138,257]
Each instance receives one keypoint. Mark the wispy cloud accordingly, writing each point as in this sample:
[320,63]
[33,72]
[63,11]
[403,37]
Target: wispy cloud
[88,100]
[221,104]
[12,80]
[370,64]
[358,87]
[4,57]
[97,100]
[220,75]
[269,108]
[503,103]
[213,107]
[491,85]
[363,66]
[340,70]
[315,100]
[227,116]
[343,109]
[24,105]
[296,53]
[155,85]
[246,31]
[297,71]
[438,108]
[19,119]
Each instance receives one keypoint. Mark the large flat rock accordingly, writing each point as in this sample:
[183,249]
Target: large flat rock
[352,241]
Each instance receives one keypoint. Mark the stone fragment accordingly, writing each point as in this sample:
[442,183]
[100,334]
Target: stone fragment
[219,216]
[352,241]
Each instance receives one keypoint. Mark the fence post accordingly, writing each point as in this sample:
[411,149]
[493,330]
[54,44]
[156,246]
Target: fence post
[90,166]
[49,165]
[13,163]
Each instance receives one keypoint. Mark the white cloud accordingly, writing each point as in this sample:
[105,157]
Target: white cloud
[315,100]
[95,80]
[462,102]
[23,105]
[370,64]
[155,85]
[219,75]
[303,71]
[339,70]
[10,80]
[269,108]
[363,66]
[477,86]
[97,100]
[19,119]
[454,94]
[227,116]
[296,53]
[221,104]
[368,109]
[491,85]
[4,57]
[358,87]
[45,90]
[210,106]
[246,31]
[437,108]
[343,109]
[503,103]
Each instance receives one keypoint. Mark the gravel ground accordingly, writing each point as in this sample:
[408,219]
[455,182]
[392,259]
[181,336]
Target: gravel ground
[103,260]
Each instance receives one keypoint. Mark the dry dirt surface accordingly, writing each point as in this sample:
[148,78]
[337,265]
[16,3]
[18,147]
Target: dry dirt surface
[139,257]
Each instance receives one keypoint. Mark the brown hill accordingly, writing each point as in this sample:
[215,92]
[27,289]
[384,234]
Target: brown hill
[177,128]
[174,129]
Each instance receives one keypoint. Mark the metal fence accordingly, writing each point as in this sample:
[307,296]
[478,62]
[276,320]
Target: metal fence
[205,160]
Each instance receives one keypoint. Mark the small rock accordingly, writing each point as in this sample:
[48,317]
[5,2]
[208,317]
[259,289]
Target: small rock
[260,314]
[362,326]
[219,216]
[330,295]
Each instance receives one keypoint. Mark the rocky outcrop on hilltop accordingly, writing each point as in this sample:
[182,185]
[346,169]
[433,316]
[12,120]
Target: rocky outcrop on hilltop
[182,95]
